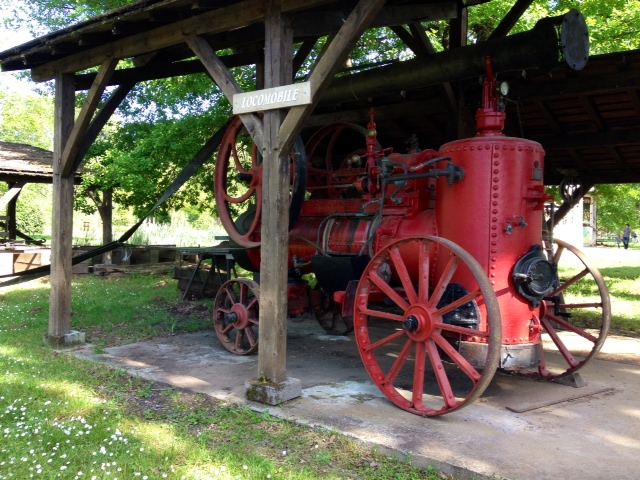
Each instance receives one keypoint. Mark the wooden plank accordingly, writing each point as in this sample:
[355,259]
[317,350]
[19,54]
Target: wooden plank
[225,82]
[75,139]
[62,221]
[234,16]
[275,206]
[328,65]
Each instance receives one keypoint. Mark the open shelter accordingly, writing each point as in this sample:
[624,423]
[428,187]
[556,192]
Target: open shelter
[587,119]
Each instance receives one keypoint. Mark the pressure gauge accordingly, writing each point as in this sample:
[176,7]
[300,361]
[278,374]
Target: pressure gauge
[504,88]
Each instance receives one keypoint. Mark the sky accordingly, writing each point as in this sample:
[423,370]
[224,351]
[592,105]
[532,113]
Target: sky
[8,39]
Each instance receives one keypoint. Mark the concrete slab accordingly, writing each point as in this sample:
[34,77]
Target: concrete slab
[520,429]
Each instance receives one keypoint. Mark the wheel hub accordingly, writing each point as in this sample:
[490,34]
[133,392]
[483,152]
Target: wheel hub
[231,317]
[418,323]
[410,324]
[238,316]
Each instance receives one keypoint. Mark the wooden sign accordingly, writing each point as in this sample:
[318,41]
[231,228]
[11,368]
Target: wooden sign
[272,98]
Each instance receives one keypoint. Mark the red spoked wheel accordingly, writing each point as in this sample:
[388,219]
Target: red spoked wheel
[422,339]
[238,185]
[575,317]
[235,316]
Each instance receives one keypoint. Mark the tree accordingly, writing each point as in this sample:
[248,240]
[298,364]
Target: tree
[26,119]
[617,205]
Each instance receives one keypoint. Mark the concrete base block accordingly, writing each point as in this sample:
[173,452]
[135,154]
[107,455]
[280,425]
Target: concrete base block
[70,339]
[273,393]
[573,380]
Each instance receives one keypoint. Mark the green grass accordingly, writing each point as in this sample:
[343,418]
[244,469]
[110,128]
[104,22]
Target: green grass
[61,417]
[623,284]
[624,287]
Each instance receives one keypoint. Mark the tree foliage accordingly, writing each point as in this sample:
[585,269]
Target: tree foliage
[26,118]
[617,205]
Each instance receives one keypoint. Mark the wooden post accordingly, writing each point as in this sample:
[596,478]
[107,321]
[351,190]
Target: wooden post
[62,223]
[273,386]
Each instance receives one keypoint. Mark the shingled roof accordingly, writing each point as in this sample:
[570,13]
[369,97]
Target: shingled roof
[25,163]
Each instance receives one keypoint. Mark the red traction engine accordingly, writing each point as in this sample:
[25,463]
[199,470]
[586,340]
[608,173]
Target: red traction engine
[436,259]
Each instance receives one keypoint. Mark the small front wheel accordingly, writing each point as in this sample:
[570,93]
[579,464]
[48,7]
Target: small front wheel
[235,316]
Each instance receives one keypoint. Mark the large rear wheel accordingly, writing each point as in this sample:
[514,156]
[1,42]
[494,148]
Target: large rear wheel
[575,317]
[238,185]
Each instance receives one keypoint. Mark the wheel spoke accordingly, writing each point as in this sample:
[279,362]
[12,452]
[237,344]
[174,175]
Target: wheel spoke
[458,359]
[441,375]
[384,341]
[423,272]
[573,306]
[573,328]
[239,337]
[243,294]
[401,270]
[458,303]
[231,295]
[388,290]
[385,315]
[470,332]
[569,283]
[241,199]
[418,375]
[251,336]
[444,280]
[227,329]
[236,159]
[391,377]
[558,254]
[559,343]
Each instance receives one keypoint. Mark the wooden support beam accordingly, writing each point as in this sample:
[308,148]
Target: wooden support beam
[100,121]
[68,159]
[275,205]
[510,19]
[615,138]
[303,52]
[425,45]
[156,71]
[328,65]
[408,39]
[238,15]
[226,83]
[62,221]
[13,192]
[458,28]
